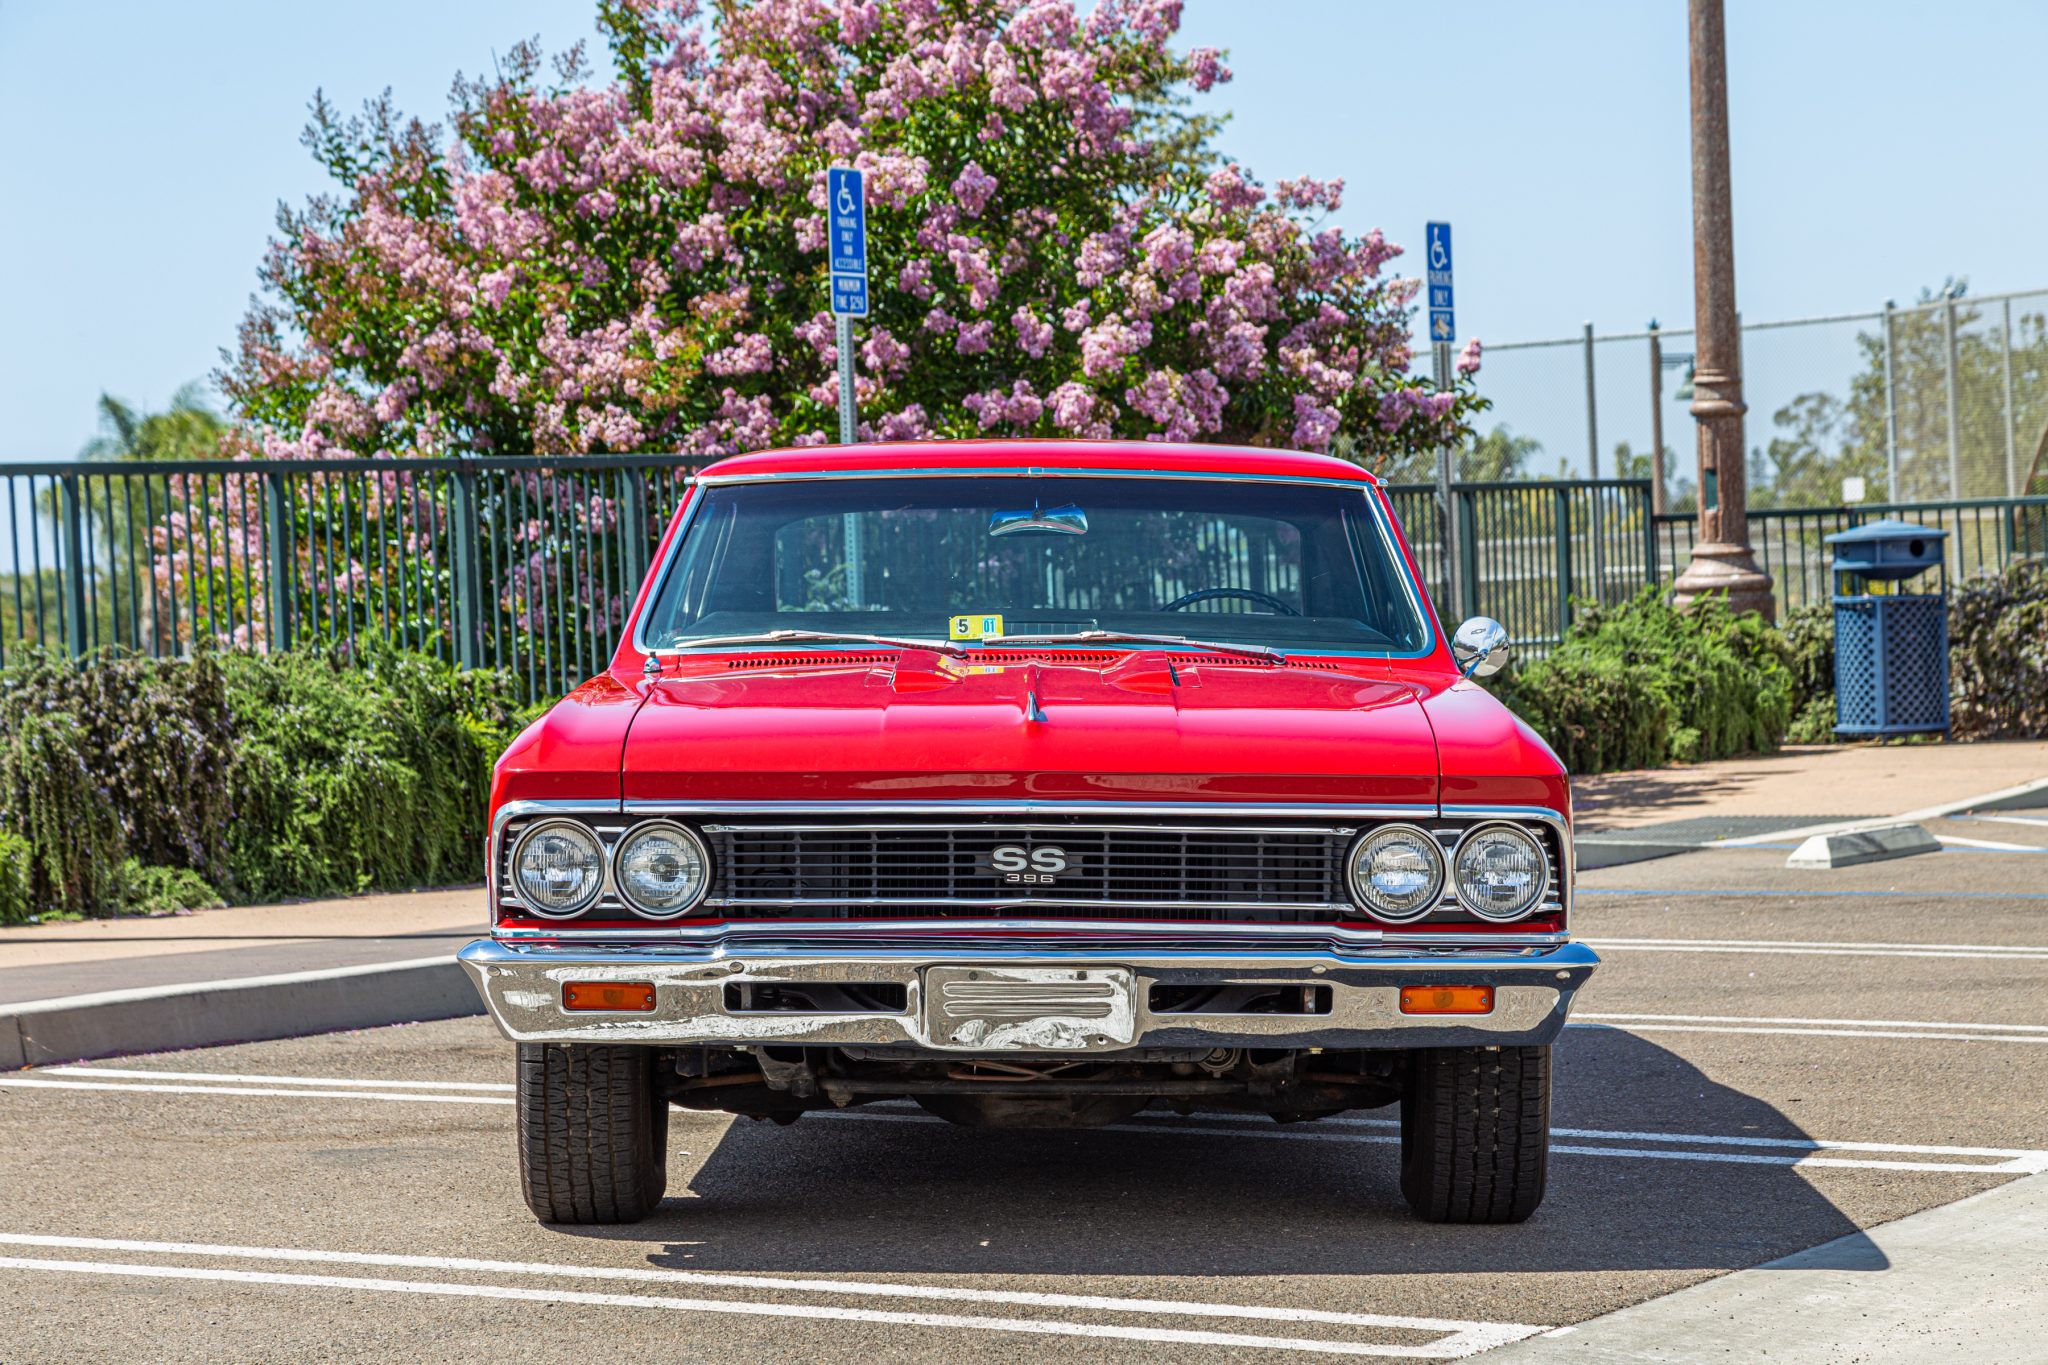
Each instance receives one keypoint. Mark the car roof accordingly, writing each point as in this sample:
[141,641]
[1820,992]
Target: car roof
[1138,457]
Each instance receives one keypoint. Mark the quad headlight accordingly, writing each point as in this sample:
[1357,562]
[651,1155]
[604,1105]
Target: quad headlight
[1397,873]
[558,869]
[662,869]
[1500,872]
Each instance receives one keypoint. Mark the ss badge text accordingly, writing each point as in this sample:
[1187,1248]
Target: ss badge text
[1020,866]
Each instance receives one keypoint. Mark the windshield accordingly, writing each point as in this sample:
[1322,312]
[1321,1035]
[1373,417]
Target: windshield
[1300,567]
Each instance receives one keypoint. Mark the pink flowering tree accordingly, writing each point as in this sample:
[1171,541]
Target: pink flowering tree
[640,265]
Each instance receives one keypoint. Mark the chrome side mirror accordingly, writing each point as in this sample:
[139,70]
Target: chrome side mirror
[1480,647]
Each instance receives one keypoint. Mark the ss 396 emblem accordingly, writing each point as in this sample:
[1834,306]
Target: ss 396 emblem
[1021,866]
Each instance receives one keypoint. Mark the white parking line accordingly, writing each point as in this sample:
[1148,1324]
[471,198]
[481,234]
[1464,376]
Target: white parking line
[71,1082]
[859,1288]
[808,1311]
[1801,1028]
[138,1073]
[2041,1029]
[1988,845]
[1982,951]
[1800,1152]
[1995,1160]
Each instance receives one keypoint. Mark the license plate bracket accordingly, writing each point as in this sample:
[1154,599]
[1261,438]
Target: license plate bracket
[1030,1009]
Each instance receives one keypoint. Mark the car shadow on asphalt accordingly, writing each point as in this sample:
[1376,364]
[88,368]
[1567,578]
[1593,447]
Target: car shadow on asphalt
[896,1193]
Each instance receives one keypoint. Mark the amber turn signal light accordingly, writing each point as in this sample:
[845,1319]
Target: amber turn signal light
[607,995]
[1447,1000]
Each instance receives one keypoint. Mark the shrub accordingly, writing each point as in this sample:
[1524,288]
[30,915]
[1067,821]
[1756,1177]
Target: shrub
[15,853]
[138,785]
[1642,683]
[119,758]
[1998,655]
[1596,711]
[1810,653]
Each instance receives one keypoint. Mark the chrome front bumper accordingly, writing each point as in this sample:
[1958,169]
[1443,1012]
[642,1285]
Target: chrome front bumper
[521,983]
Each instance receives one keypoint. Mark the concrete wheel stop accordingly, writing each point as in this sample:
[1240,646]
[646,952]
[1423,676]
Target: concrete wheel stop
[1847,848]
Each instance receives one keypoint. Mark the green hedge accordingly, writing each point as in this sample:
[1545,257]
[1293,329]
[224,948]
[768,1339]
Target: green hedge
[135,785]
[1998,655]
[1642,684]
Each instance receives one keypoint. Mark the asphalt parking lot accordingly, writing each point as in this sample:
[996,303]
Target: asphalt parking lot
[1769,1061]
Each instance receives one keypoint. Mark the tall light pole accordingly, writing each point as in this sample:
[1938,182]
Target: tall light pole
[1721,557]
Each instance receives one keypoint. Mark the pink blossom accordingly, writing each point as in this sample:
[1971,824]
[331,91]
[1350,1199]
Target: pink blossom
[915,278]
[974,188]
[1468,359]
[1184,406]
[1206,69]
[1033,335]
[974,338]
[750,354]
[1074,409]
[1231,191]
[1105,346]
[1314,425]
[882,353]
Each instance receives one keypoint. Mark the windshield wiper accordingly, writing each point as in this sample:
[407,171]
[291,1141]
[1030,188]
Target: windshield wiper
[1135,638]
[777,637]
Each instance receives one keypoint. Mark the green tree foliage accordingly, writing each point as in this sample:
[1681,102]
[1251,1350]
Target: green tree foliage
[189,429]
[1058,249]
[1819,439]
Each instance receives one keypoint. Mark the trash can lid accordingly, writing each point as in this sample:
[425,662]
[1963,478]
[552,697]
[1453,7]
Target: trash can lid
[1891,528]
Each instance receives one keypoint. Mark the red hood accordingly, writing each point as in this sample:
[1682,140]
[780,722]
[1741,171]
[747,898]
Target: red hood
[928,728]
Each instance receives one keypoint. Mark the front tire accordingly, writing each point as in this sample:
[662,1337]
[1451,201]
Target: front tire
[1475,1133]
[593,1133]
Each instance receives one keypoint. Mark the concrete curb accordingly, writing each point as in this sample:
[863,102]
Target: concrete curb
[248,1009]
[1863,846]
[2025,796]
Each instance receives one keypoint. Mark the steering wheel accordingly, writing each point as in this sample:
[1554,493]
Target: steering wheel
[1188,599]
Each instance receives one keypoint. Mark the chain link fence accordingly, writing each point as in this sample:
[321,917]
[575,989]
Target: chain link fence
[1943,400]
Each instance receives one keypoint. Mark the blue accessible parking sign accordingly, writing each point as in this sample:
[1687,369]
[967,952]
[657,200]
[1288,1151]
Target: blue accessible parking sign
[1443,324]
[847,220]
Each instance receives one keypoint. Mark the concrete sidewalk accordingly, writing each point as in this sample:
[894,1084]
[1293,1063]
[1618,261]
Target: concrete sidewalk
[45,961]
[1823,783]
[1964,1282]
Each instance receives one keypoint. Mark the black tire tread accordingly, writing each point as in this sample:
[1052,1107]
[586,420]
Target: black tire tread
[593,1133]
[1475,1133]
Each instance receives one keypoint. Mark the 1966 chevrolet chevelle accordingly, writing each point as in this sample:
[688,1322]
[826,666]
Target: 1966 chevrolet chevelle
[1033,783]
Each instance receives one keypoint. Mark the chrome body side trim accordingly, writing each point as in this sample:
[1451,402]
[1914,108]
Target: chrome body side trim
[521,984]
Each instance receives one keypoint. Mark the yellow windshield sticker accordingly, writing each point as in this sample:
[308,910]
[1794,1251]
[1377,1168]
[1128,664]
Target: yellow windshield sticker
[975,627]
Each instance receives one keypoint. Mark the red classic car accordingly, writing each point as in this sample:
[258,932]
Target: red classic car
[1033,783]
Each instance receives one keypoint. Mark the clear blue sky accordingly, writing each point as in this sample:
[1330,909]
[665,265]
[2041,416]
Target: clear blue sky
[1878,147]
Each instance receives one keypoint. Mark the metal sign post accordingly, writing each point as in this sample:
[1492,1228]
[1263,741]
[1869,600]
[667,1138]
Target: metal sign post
[1443,326]
[848,217]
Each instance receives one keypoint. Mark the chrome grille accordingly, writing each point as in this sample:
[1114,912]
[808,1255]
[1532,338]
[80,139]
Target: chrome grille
[924,867]
[1193,869]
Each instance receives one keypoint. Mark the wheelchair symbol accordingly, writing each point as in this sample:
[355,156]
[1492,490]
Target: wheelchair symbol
[1439,252]
[845,201]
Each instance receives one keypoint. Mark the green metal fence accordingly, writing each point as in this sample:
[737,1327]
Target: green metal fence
[525,564]
[530,564]
[1985,535]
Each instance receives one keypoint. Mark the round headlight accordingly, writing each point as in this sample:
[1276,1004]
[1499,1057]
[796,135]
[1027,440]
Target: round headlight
[662,869]
[1501,872]
[1397,873]
[558,869]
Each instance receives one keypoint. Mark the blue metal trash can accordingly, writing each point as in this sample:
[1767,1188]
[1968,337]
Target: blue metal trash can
[1891,633]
